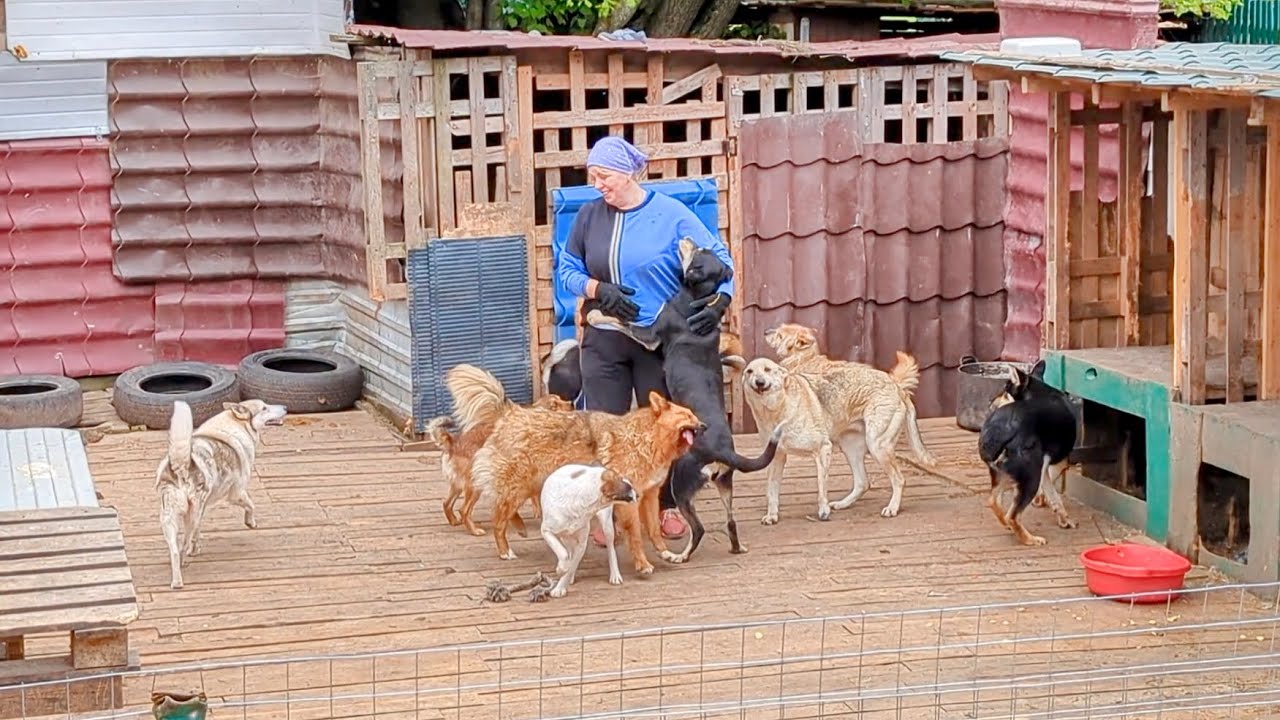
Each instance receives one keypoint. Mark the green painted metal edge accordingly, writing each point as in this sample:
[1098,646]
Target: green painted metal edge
[1148,400]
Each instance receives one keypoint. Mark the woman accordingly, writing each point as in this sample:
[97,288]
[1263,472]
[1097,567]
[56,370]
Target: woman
[622,257]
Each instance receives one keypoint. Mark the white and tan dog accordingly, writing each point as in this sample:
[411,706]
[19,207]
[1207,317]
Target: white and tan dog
[206,466]
[866,407]
[571,496]
[776,396]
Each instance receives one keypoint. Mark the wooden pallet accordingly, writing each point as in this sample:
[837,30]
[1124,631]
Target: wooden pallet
[64,570]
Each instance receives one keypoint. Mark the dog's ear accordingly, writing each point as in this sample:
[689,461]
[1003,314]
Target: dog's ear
[657,403]
[737,362]
[240,412]
[806,339]
[1037,371]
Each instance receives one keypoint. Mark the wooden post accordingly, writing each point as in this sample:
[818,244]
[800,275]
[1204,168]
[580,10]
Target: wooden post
[1190,255]
[1057,312]
[414,215]
[523,136]
[1131,173]
[371,181]
[1238,252]
[1269,380]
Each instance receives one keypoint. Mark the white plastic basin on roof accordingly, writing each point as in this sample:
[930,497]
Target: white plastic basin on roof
[1041,46]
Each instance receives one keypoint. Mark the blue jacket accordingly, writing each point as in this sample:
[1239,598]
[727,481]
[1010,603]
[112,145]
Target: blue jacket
[638,248]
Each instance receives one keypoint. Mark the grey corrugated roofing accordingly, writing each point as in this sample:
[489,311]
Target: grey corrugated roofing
[1244,69]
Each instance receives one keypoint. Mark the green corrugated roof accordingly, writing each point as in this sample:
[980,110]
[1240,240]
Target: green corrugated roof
[1211,66]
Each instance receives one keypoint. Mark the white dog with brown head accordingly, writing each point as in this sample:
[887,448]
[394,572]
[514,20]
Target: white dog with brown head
[206,466]
[571,497]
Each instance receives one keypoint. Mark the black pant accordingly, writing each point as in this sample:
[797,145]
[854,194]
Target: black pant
[615,369]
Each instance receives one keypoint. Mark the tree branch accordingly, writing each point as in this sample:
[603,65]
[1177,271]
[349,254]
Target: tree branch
[715,19]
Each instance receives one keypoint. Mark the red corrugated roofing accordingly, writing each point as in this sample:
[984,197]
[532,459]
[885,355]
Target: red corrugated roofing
[505,39]
[62,311]
[218,321]
[879,247]
[234,168]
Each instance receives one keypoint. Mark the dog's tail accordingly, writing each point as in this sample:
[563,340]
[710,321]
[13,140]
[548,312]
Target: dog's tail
[181,427]
[438,431]
[760,462]
[478,396]
[906,374]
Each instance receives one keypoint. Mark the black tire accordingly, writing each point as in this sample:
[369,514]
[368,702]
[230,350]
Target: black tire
[40,401]
[304,381]
[145,395]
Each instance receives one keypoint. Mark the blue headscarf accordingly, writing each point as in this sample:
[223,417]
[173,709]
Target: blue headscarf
[615,153]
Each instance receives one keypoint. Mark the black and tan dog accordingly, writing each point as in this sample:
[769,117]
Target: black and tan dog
[691,365]
[1026,441]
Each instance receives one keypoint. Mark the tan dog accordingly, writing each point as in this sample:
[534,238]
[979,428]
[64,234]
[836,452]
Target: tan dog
[874,404]
[527,444]
[457,449]
[206,466]
[776,396]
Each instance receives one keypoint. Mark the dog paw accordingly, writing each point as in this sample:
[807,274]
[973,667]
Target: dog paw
[1039,501]
[559,592]
[769,520]
[176,585]
[251,524]
[672,557]
[889,511]
[824,513]
[1067,523]
[615,578]
[740,550]
[1033,540]
[508,555]
[644,570]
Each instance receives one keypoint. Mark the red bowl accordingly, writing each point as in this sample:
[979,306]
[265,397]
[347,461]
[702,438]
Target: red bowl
[1121,570]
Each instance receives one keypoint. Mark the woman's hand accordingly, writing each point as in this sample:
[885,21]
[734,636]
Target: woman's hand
[709,311]
[615,301]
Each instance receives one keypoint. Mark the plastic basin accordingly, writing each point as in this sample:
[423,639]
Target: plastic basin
[1119,571]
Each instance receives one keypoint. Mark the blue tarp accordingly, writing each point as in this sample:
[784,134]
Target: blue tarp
[701,196]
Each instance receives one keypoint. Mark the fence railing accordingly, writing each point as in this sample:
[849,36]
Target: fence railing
[1254,22]
[1213,649]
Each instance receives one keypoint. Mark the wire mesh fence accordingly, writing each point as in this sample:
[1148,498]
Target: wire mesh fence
[1211,653]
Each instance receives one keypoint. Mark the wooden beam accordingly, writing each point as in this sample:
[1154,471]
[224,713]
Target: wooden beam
[1056,331]
[1238,251]
[680,88]
[1191,255]
[413,212]
[1130,200]
[1269,377]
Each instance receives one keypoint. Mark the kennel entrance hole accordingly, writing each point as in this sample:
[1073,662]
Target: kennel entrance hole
[1222,512]
[1112,450]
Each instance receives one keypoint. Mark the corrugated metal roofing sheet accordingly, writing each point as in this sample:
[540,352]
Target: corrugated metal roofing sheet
[52,99]
[509,40]
[218,321]
[43,468]
[177,28]
[62,311]
[879,247]
[239,168]
[1247,69]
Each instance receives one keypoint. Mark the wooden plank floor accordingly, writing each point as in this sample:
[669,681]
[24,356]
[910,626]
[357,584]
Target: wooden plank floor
[352,554]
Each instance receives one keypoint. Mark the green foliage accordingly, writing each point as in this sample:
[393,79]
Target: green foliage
[556,17]
[1216,9]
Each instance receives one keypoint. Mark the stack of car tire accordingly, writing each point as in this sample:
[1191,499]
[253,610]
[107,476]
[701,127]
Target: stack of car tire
[304,381]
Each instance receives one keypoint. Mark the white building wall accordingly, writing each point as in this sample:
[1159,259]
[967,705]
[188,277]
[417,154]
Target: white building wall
[52,99]
[109,29]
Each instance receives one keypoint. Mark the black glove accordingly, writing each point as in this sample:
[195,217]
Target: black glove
[615,301]
[709,311]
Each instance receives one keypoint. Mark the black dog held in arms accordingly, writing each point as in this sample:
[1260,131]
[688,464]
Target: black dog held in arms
[692,368]
[1026,441]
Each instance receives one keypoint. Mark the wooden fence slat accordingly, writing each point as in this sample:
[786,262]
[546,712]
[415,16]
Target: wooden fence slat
[1130,201]
[1237,249]
[1191,256]
[1057,249]
[1269,380]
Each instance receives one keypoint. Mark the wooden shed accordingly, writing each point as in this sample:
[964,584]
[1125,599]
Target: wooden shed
[503,122]
[1163,286]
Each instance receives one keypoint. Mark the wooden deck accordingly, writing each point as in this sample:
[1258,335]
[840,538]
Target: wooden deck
[353,554]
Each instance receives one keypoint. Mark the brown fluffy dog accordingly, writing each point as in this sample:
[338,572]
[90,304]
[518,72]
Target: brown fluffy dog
[456,452]
[527,444]
[856,396]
